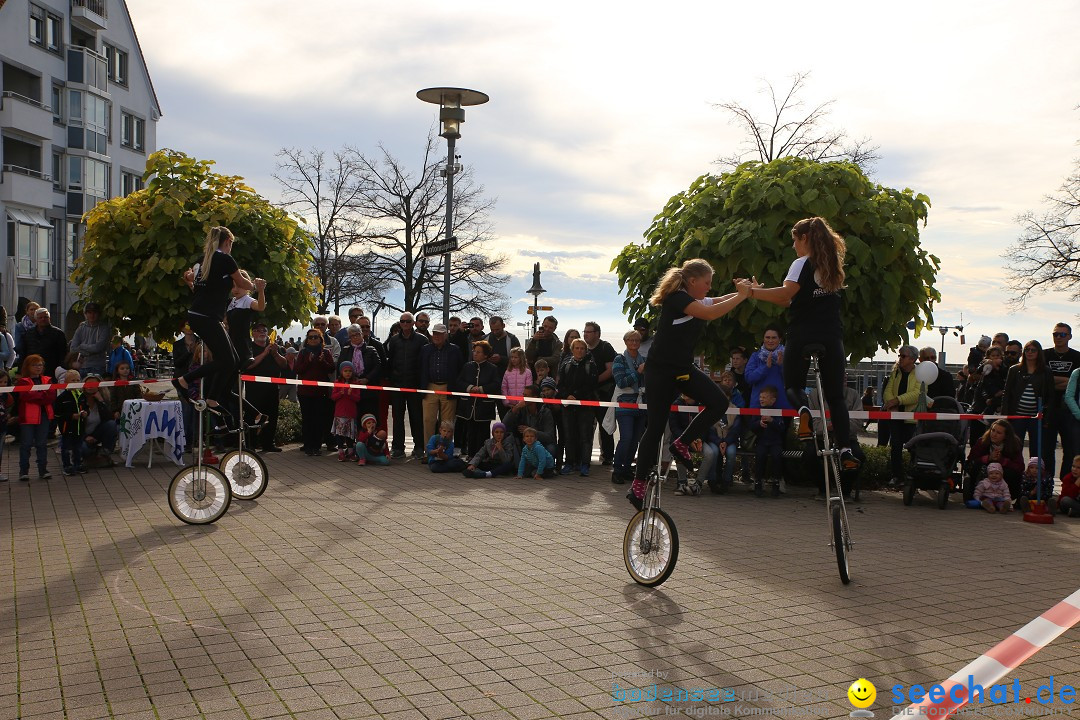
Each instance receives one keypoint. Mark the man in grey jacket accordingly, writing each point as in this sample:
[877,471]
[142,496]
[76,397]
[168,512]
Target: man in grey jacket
[91,340]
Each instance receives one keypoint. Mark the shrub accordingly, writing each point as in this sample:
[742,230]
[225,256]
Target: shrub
[288,428]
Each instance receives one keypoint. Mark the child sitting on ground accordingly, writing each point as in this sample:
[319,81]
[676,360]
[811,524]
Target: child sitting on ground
[1069,502]
[371,446]
[770,431]
[992,492]
[497,457]
[536,462]
[71,418]
[440,450]
[1030,485]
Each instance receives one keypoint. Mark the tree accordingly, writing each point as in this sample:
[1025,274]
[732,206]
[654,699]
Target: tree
[383,213]
[322,191]
[1046,256]
[137,247]
[741,223]
[791,133]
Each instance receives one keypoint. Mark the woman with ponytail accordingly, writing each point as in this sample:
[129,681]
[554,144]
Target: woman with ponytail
[811,291]
[670,369]
[212,282]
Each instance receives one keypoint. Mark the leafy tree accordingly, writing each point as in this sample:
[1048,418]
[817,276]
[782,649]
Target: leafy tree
[137,247]
[1046,256]
[788,131]
[741,223]
[322,190]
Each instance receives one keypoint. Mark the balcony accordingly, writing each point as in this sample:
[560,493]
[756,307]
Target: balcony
[89,15]
[22,186]
[28,116]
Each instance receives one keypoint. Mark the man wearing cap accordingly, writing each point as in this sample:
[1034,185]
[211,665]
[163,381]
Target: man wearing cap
[440,362]
[545,345]
[269,361]
[642,326]
[91,340]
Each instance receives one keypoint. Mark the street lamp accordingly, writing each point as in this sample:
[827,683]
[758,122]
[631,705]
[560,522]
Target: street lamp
[535,291]
[452,103]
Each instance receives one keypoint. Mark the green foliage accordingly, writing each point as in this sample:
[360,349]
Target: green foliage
[741,223]
[288,427]
[138,247]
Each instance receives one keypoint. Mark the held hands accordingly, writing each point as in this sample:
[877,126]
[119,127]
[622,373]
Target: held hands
[260,284]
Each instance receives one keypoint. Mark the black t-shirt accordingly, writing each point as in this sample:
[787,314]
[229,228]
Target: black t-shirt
[677,333]
[212,295]
[811,307]
[1062,365]
[603,354]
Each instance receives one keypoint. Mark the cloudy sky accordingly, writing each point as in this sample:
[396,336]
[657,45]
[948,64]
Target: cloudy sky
[600,112]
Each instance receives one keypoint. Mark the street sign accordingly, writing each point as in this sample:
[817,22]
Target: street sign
[439,247]
[545,308]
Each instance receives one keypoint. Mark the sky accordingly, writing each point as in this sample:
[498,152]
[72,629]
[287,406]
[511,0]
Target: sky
[599,113]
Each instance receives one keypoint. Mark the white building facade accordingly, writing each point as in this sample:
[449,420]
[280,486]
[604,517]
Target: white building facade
[78,118]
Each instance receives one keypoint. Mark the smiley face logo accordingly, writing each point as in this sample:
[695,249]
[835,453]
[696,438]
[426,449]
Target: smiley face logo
[862,693]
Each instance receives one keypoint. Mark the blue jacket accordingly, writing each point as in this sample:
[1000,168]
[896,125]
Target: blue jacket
[759,374]
[537,456]
[119,354]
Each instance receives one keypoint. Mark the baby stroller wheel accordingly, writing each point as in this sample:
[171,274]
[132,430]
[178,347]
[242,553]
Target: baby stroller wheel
[943,495]
[909,491]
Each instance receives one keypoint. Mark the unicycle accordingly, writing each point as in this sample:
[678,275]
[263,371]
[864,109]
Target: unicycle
[651,541]
[835,509]
[199,494]
[246,471]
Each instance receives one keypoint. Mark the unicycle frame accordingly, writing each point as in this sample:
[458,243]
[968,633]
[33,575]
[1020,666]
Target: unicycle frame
[830,460]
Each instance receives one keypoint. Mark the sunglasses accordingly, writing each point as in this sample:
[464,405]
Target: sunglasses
[1061,334]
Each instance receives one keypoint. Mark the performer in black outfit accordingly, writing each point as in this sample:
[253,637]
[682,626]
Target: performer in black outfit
[811,290]
[212,282]
[670,369]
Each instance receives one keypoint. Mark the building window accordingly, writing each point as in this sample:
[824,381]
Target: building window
[58,171]
[71,244]
[118,65]
[33,237]
[58,104]
[46,29]
[130,182]
[88,180]
[132,132]
[88,121]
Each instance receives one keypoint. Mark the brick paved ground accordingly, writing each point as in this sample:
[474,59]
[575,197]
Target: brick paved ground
[349,592]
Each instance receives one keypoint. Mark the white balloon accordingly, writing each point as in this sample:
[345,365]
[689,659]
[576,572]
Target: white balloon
[926,372]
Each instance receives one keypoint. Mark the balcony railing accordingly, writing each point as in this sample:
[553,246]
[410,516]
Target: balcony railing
[28,172]
[28,101]
[95,6]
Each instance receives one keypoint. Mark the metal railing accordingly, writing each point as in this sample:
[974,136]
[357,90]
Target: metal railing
[27,100]
[95,6]
[29,172]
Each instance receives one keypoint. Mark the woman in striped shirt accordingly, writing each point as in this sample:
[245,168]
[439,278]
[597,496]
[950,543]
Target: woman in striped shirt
[1028,382]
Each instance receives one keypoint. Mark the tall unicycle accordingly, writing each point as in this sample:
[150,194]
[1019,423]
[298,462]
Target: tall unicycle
[651,541]
[199,494]
[839,534]
[245,471]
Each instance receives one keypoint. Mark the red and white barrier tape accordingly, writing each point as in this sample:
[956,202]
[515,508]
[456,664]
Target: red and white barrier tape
[772,412]
[997,662]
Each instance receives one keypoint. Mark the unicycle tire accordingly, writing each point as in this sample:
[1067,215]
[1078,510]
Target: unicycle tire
[192,508]
[840,542]
[246,472]
[651,562]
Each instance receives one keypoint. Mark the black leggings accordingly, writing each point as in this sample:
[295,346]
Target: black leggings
[223,364]
[832,364]
[663,385]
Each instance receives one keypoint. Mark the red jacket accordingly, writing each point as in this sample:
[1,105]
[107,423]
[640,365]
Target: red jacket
[1069,487]
[31,403]
[310,366]
[345,400]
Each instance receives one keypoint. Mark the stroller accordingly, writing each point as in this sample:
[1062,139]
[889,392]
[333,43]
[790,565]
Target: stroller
[937,453]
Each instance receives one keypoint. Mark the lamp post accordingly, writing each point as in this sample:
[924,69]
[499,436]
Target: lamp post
[452,103]
[535,291]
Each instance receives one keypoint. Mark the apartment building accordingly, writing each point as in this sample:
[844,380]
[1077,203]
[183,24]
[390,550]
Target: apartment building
[78,118]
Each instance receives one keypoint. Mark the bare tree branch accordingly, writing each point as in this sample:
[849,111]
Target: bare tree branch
[789,132]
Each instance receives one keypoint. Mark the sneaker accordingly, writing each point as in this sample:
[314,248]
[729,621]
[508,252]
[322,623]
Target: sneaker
[362,461]
[695,488]
[398,455]
[210,458]
[24,477]
[69,471]
[806,424]
[80,470]
[341,455]
[637,502]
[566,470]
[45,475]
[681,453]
[617,477]
[682,489]
[848,461]
[584,471]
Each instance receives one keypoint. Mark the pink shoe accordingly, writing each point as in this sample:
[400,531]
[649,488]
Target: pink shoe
[362,461]
[341,455]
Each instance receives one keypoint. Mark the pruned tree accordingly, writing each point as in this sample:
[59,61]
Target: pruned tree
[1046,256]
[788,130]
[403,209]
[322,190]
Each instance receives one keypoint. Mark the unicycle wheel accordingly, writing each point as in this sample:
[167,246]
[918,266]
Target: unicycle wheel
[246,472]
[650,547]
[840,542]
[199,494]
